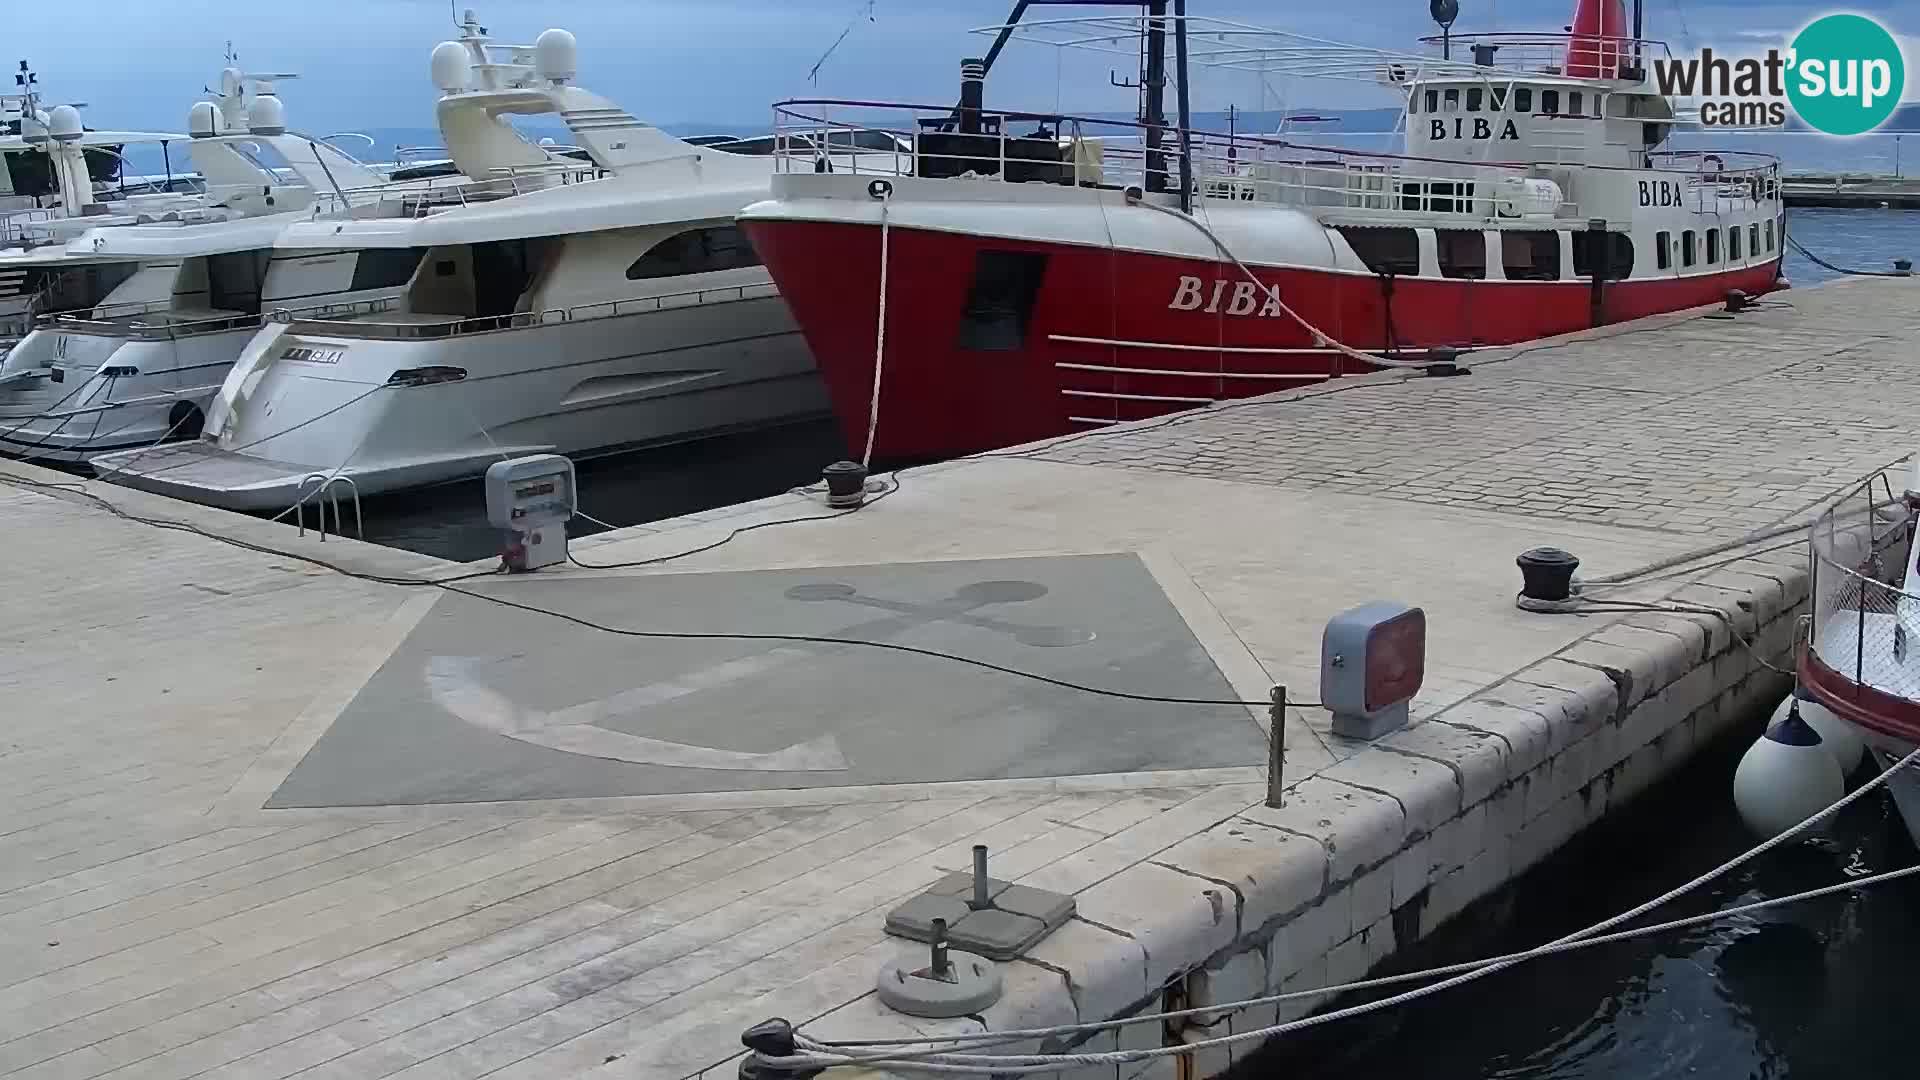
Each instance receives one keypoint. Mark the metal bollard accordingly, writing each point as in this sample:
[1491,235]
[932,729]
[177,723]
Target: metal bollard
[1276,745]
[774,1038]
[938,964]
[981,901]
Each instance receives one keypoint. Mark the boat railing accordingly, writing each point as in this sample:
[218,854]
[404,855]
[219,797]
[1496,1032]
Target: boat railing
[1044,148]
[1865,618]
[420,198]
[1096,152]
[462,326]
[1611,55]
[24,226]
[133,327]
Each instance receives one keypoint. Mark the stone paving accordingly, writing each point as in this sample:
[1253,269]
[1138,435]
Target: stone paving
[162,917]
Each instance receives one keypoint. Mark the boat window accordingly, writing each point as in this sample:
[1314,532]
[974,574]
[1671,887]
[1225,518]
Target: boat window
[1753,238]
[1550,102]
[385,268]
[1769,235]
[1599,106]
[1713,245]
[1611,252]
[1523,99]
[696,251]
[1453,100]
[234,279]
[1000,300]
[1663,249]
[1687,253]
[1733,243]
[1530,255]
[1385,251]
[1433,101]
[1475,95]
[1497,95]
[1463,253]
[1573,103]
[1413,103]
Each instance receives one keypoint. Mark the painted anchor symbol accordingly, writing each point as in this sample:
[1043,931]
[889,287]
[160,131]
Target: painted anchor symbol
[452,684]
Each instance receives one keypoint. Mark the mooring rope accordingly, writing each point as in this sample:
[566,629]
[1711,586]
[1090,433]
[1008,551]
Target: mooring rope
[879,334]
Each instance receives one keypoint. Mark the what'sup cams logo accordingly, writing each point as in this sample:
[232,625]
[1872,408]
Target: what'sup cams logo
[1842,74]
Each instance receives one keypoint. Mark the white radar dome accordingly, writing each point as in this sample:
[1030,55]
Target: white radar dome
[203,120]
[33,128]
[230,82]
[64,124]
[452,71]
[267,116]
[555,56]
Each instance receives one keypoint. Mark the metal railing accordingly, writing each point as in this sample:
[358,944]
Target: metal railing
[421,198]
[1231,167]
[461,326]
[1550,54]
[1865,622]
[129,325]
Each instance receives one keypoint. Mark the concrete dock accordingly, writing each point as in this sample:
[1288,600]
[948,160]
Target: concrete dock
[259,819]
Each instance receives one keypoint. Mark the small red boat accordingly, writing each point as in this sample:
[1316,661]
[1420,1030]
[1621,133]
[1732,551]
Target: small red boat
[1019,275]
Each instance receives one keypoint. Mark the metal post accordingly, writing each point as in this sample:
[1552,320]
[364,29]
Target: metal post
[1154,82]
[1597,254]
[1180,73]
[939,964]
[980,899]
[1276,745]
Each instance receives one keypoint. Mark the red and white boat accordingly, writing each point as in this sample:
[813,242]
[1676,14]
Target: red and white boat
[1860,657]
[1019,275]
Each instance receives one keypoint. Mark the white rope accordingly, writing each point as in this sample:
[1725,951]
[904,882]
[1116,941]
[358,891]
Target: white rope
[819,1055]
[879,337]
[1320,336]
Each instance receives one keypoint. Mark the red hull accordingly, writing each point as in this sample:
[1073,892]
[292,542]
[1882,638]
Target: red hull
[940,399]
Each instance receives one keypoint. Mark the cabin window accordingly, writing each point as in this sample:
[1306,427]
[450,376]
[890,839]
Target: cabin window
[1530,255]
[1753,238]
[697,251]
[385,268]
[1609,253]
[1452,99]
[1413,104]
[1769,235]
[1733,244]
[234,279]
[1463,253]
[1523,99]
[1000,300]
[1599,106]
[1663,250]
[1713,245]
[1688,256]
[1385,251]
[1550,102]
[1475,97]
[1573,103]
[1433,101]
[1497,95]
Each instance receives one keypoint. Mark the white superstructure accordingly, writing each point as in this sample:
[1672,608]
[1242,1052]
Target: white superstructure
[142,302]
[554,305]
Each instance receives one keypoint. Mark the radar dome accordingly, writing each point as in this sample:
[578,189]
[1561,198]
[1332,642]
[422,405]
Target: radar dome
[230,82]
[64,124]
[266,115]
[555,56]
[33,128]
[452,71]
[203,120]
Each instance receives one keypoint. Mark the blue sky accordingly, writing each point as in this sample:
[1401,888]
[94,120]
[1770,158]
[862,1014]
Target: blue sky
[141,63]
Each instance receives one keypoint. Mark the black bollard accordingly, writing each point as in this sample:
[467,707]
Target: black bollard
[774,1038]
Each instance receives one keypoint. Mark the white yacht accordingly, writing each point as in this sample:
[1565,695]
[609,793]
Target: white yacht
[142,303]
[555,306]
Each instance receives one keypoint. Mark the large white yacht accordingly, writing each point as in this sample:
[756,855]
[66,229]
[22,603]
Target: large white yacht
[141,303]
[554,305]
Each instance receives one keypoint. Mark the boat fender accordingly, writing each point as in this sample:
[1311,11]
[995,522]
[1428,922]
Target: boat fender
[1786,776]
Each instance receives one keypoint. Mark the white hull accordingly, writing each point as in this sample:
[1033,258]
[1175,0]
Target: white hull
[305,403]
[57,405]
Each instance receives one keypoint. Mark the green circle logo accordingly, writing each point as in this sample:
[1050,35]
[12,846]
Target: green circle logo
[1846,74]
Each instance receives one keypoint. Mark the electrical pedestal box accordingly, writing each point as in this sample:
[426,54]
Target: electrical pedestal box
[1373,659]
[532,498]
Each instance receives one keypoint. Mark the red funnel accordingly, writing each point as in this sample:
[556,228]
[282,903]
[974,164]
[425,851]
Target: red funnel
[1599,38]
